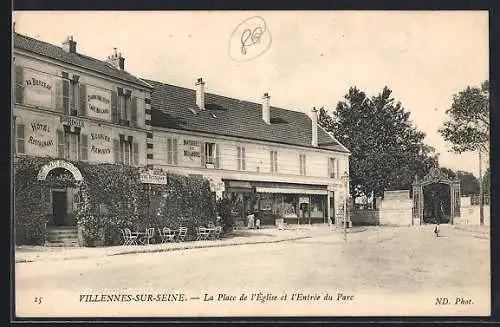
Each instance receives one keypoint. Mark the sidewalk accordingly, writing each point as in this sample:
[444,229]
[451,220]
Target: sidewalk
[238,237]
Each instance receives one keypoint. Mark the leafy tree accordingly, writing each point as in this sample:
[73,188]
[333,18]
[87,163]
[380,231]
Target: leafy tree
[487,181]
[469,184]
[386,149]
[450,173]
[469,126]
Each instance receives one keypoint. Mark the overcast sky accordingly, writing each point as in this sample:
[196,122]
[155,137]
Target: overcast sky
[314,57]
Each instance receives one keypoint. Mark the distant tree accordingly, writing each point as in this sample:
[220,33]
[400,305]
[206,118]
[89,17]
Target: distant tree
[448,172]
[469,184]
[468,127]
[386,149]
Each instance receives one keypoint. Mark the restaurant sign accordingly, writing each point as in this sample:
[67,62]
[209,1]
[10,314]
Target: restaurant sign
[154,176]
[41,137]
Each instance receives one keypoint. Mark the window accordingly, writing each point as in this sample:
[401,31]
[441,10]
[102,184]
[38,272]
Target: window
[274,161]
[72,146]
[19,138]
[241,158]
[75,97]
[171,151]
[125,107]
[333,168]
[210,153]
[126,152]
[302,159]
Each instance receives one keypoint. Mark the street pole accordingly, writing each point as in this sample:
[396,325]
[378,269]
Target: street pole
[481,213]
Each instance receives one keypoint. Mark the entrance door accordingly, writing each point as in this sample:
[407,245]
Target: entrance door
[59,207]
[332,207]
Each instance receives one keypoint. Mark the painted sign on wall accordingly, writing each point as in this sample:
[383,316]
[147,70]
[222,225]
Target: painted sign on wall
[38,88]
[191,149]
[153,177]
[98,103]
[40,137]
[101,144]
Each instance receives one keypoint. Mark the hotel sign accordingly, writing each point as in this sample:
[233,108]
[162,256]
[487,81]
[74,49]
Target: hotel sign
[154,176]
[98,103]
[41,137]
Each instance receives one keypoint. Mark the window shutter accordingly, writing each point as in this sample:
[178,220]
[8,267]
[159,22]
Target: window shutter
[114,106]
[20,138]
[169,151]
[116,150]
[82,110]
[271,163]
[136,153]
[276,161]
[61,144]
[217,156]
[19,84]
[174,150]
[59,95]
[304,164]
[65,93]
[337,173]
[243,158]
[133,111]
[238,149]
[202,154]
[84,153]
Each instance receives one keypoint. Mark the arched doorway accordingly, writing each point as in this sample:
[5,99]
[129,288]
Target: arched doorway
[62,192]
[436,198]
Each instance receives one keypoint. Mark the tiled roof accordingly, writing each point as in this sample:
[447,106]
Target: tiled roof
[172,108]
[52,51]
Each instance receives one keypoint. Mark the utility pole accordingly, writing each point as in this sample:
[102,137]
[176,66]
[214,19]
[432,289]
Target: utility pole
[481,191]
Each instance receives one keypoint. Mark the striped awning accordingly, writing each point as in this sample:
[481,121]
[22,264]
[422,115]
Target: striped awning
[286,190]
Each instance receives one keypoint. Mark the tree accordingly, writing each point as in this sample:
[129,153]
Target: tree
[386,149]
[487,182]
[469,184]
[468,128]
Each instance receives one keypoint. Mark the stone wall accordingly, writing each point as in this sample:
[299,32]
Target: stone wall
[469,214]
[396,208]
[365,217]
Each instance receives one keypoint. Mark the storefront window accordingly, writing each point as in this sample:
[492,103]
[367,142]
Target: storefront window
[318,206]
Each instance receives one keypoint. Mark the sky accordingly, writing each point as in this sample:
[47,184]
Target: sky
[305,59]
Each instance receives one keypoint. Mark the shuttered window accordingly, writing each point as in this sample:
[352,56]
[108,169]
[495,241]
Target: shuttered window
[302,159]
[136,153]
[82,105]
[19,96]
[61,145]
[241,158]
[171,151]
[20,138]
[133,112]
[332,168]
[273,161]
[117,151]
[84,152]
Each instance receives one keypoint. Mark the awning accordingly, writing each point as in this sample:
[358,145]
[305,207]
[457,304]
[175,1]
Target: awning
[290,190]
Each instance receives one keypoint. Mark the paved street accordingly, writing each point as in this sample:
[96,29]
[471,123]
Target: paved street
[396,265]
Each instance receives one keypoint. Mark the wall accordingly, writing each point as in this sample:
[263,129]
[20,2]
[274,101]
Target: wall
[365,217]
[469,214]
[42,78]
[257,156]
[396,208]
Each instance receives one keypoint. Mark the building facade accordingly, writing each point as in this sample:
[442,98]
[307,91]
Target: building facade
[276,162]
[70,107]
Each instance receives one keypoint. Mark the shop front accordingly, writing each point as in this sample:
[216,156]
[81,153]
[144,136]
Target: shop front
[295,203]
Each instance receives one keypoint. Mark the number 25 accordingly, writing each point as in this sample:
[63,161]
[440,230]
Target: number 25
[38,300]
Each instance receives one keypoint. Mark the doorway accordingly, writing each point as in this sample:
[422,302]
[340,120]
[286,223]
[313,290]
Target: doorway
[59,207]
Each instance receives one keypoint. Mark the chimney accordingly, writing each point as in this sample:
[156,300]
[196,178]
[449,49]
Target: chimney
[266,109]
[116,60]
[69,45]
[200,93]
[314,127]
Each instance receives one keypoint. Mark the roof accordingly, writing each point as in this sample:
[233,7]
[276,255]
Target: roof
[52,51]
[172,108]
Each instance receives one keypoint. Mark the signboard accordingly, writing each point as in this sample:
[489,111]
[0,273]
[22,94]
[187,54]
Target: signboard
[98,103]
[191,149]
[153,177]
[44,171]
[303,199]
[101,144]
[38,88]
[40,137]
[71,121]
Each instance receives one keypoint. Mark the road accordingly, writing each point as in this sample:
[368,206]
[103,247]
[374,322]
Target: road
[377,266]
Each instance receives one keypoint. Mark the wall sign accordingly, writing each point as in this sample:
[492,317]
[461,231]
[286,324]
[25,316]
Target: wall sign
[192,148]
[101,144]
[38,88]
[40,137]
[71,121]
[44,171]
[153,177]
[98,103]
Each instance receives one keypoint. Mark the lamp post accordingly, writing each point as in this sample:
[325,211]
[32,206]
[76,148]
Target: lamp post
[345,179]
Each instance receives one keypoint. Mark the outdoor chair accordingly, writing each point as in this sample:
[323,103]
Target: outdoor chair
[150,232]
[168,234]
[218,232]
[201,233]
[128,238]
[211,225]
[182,234]
[162,236]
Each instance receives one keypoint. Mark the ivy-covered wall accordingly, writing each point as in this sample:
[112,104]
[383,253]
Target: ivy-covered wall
[112,197]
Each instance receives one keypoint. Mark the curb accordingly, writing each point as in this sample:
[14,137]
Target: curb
[200,246]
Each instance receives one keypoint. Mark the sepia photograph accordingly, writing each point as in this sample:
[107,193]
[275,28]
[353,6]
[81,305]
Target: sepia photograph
[250,164]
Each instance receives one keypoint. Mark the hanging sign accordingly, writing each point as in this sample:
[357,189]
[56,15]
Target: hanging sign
[71,121]
[153,176]
[98,103]
[38,88]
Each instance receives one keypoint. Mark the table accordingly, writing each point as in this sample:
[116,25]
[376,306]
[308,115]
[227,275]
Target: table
[139,235]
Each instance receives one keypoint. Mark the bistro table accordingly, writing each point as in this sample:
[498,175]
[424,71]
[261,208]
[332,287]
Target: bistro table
[140,236]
